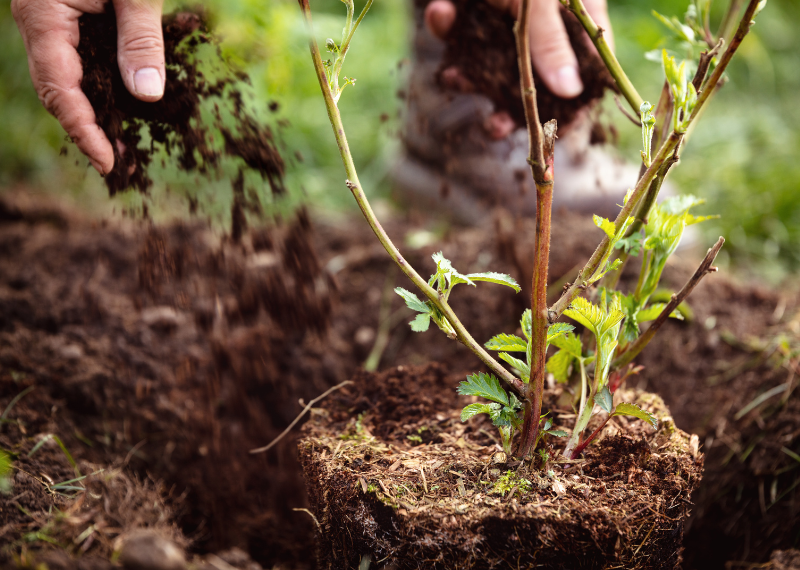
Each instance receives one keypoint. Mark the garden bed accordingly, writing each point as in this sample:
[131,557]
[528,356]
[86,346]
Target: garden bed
[120,329]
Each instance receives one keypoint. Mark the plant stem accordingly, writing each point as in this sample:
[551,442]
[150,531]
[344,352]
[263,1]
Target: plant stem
[579,449]
[541,143]
[596,34]
[677,298]
[729,21]
[358,193]
[642,186]
[736,41]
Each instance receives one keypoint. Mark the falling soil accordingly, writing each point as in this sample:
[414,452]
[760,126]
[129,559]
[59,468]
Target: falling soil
[481,45]
[174,122]
[167,353]
[454,500]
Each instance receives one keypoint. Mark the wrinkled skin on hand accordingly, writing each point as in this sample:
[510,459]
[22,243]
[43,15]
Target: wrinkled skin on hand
[551,51]
[50,31]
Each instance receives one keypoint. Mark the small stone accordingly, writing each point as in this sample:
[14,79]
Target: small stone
[161,318]
[146,550]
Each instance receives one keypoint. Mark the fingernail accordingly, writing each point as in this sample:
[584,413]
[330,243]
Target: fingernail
[97,166]
[147,81]
[568,82]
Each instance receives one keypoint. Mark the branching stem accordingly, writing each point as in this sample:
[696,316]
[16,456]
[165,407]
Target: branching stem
[358,193]
[638,345]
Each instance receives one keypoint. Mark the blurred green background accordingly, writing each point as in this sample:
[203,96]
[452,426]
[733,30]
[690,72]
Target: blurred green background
[741,157]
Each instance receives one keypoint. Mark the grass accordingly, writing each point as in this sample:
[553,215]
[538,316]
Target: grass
[741,158]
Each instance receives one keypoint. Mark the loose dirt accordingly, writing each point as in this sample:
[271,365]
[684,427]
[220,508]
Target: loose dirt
[175,124]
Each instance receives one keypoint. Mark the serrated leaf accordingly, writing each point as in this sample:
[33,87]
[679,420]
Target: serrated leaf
[558,330]
[526,323]
[475,409]
[604,399]
[412,301]
[556,432]
[523,368]
[507,342]
[637,412]
[558,365]
[650,313]
[484,385]
[606,225]
[593,317]
[569,342]
[504,416]
[498,278]
[548,423]
[421,322]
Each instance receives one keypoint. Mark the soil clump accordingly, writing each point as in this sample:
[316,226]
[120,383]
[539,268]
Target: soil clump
[453,499]
[175,122]
[481,46]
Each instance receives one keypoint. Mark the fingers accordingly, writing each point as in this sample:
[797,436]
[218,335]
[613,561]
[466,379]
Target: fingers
[598,10]
[49,29]
[439,17]
[140,47]
[551,51]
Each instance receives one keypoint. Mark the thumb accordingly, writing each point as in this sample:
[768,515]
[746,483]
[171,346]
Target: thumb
[140,47]
[551,51]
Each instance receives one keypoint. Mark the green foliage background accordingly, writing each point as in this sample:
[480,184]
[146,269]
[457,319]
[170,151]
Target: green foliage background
[741,158]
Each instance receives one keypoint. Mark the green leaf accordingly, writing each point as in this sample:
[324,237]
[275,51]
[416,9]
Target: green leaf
[556,432]
[498,278]
[637,412]
[604,399]
[421,322]
[558,330]
[631,245]
[569,342]
[526,323]
[523,368]
[650,313]
[558,365]
[484,385]
[606,225]
[507,342]
[412,300]
[475,409]
[504,416]
[593,317]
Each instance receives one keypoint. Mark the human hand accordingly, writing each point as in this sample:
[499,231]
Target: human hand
[551,51]
[50,31]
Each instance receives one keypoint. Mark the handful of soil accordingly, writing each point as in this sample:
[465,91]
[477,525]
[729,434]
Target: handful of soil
[481,45]
[175,122]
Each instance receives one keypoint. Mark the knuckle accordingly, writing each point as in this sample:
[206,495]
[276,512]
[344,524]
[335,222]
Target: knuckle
[147,43]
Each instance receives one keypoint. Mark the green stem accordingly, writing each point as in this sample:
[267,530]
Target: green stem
[580,283]
[733,46]
[596,34]
[358,193]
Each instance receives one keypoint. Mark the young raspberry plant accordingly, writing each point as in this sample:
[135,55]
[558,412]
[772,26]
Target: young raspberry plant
[599,362]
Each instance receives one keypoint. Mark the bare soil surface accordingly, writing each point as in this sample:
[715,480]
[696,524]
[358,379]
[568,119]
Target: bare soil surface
[164,354]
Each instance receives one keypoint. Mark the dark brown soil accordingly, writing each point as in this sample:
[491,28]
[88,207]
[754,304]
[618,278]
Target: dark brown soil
[175,352]
[481,45]
[174,123]
[440,504]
